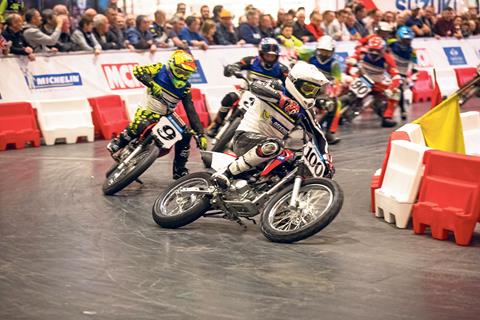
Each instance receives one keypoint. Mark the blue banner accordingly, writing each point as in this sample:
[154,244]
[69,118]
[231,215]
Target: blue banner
[455,56]
[53,80]
[198,77]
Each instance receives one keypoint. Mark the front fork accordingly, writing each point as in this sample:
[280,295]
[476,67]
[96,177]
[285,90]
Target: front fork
[135,151]
[297,184]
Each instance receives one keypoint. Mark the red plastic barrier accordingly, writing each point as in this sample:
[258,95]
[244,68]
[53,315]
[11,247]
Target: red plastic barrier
[464,75]
[18,125]
[377,181]
[449,198]
[109,115]
[422,91]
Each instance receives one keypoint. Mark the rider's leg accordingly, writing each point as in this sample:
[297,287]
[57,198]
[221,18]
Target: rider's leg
[329,134]
[227,103]
[254,149]
[142,119]
[182,151]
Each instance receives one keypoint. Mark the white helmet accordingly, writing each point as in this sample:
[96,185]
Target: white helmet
[325,49]
[305,83]
[385,27]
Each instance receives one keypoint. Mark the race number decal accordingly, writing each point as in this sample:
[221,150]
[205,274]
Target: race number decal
[360,87]
[167,131]
[313,160]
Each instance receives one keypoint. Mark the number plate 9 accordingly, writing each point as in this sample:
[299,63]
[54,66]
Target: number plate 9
[167,131]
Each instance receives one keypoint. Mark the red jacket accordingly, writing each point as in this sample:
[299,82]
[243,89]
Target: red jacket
[317,32]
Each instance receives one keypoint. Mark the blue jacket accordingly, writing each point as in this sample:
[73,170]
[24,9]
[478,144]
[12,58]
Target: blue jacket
[249,33]
[138,39]
[189,36]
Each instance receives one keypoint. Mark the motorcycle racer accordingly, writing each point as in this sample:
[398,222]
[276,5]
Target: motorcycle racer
[167,85]
[374,61]
[265,66]
[259,136]
[324,60]
[406,60]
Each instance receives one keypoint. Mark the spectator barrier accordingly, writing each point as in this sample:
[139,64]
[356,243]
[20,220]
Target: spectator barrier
[448,199]
[18,125]
[83,75]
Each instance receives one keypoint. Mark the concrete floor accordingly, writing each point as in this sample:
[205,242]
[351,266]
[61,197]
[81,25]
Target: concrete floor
[68,252]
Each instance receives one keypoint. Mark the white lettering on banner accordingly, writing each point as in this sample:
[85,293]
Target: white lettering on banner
[120,76]
[400,5]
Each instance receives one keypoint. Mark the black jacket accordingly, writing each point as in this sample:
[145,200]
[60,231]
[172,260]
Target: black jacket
[110,41]
[18,41]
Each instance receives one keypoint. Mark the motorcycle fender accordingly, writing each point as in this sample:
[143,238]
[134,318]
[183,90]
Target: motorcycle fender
[216,160]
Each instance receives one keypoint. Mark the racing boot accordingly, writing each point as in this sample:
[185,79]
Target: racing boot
[331,138]
[182,151]
[388,123]
[119,142]
[179,172]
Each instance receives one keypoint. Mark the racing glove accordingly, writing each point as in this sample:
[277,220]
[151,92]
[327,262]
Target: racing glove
[230,70]
[290,106]
[202,142]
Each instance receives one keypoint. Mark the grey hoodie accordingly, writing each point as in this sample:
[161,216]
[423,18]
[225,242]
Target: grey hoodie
[39,40]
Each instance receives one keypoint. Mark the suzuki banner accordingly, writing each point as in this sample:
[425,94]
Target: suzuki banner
[400,5]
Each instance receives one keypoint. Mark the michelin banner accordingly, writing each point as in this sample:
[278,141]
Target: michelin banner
[87,75]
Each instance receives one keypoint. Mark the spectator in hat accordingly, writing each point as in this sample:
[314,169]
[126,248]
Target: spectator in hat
[225,33]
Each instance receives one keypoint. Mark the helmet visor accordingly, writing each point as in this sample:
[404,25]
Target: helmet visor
[323,54]
[180,72]
[269,48]
[308,90]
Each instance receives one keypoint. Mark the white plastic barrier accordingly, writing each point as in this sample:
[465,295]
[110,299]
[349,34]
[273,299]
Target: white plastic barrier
[414,132]
[394,200]
[68,119]
[471,131]
[447,81]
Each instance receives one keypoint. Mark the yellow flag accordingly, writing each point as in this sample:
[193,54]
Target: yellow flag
[442,126]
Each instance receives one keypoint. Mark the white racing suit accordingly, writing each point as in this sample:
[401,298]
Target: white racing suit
[260,135]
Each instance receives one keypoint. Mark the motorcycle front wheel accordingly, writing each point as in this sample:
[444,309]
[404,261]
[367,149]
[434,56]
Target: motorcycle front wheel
[118,179]
[319,202]
[174,209]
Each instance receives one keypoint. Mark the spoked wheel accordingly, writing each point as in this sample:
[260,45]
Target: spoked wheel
[117,179]
[319,202]
[174,208]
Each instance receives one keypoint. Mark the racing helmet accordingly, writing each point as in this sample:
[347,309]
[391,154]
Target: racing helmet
[181,66]
[375,48]
[268,46]
[325,49]
[305,83]
[405,36]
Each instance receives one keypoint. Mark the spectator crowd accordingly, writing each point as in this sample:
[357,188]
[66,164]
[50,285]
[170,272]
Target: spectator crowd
[28,31]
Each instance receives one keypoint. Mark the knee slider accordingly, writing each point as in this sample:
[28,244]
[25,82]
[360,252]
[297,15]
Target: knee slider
[269,148]
[229,99]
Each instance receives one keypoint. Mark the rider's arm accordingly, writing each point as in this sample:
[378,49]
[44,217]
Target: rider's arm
[192,114]
[392,70]
[145,74]
[283,73]
[244,64]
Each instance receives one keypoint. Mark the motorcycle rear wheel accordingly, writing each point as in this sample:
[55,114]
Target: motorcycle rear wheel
[138,165]
[280,223]
[186,208]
